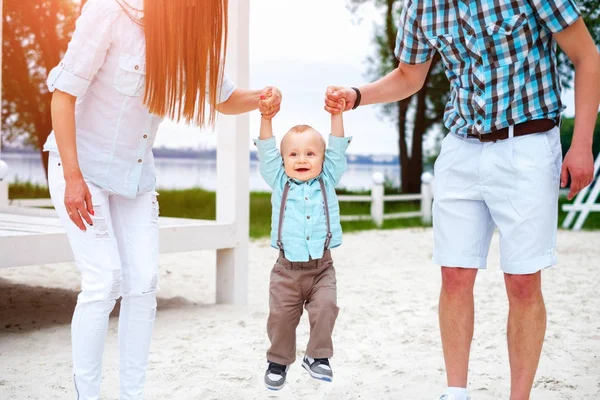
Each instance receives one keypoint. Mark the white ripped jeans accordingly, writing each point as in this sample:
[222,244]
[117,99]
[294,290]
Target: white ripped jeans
[117,256]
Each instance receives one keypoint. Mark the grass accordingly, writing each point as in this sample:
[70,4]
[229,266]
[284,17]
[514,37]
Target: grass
[201,204]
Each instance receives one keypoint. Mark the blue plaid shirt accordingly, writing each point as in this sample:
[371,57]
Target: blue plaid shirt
[499,57]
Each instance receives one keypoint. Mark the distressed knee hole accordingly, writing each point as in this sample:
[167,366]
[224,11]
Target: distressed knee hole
[155,209]
[100,225]
[115,290]
[152,285]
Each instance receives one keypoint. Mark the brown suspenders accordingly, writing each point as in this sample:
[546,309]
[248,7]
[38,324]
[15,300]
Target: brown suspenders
[284,196]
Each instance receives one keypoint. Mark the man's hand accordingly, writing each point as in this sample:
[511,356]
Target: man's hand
[270,102]
[334,94]
[579,165]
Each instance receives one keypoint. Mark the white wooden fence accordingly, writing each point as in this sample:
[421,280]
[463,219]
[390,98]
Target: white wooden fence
[378,199]
[585,202]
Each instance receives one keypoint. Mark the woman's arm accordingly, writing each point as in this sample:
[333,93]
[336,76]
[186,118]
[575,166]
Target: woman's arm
[78,200]
[243,100]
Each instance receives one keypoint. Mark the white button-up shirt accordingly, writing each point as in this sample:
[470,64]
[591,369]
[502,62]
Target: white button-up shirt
[105,68]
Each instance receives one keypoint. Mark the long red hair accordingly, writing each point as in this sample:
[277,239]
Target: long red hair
[186,42]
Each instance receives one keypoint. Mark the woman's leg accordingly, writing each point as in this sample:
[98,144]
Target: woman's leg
[136,229]
[97,257]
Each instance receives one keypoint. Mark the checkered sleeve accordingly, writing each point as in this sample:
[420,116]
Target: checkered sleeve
[411,45]
[555,15]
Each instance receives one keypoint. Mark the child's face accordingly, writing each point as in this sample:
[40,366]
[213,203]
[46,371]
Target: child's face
[303,154]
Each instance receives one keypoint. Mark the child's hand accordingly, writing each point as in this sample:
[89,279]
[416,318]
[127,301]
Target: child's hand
[270,102]
[339,109]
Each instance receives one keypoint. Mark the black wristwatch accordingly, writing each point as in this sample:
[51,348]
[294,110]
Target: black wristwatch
[358,96]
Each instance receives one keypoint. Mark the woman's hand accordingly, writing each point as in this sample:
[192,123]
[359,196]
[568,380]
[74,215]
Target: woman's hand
[78,202]
[270,102]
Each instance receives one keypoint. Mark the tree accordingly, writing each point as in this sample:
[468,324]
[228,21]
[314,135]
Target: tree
[35,34]
[416,115]
[426,107]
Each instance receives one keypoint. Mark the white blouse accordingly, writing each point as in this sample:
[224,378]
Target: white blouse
[105,68]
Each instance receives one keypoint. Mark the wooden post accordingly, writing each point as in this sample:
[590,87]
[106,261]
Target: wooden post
[426,197]
[377,192]
[233,157]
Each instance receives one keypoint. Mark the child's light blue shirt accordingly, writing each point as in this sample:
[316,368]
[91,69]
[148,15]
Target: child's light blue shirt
[305,226]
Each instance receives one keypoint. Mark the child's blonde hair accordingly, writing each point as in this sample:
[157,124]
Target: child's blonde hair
[301,129]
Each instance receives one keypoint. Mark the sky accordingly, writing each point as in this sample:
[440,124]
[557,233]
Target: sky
[302,47]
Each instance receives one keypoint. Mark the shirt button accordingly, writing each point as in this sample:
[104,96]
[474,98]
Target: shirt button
[306,198]
[479,93]
[136,67]
[145,136]
[140,160]
[308,217]
[308,238]
[479,122]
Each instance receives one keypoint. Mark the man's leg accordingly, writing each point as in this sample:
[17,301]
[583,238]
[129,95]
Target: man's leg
[526,329]
[462,231]
[456,322]
[523,202]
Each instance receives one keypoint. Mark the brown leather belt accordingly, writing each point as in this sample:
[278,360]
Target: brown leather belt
[524,128]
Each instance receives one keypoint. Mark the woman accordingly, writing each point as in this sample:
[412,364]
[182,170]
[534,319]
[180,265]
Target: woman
[127,66]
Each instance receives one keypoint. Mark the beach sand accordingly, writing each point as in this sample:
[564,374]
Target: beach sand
[386,338]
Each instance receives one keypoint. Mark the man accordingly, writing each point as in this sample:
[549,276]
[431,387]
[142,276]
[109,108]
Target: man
[500,166]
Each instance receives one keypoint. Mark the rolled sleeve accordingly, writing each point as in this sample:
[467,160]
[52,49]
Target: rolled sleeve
[87,49]
[411,45]
[335,161]
[67,82]
[226,88]
[556,15]
[271,163]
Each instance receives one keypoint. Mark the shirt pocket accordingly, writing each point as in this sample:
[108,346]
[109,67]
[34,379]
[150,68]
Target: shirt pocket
[506,40]
[130,78]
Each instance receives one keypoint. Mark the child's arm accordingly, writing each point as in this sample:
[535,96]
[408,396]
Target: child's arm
[271,163]
[337,122]
[266,128]
[334,164]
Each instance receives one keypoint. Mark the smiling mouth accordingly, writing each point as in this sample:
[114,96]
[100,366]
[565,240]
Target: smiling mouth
[302,170]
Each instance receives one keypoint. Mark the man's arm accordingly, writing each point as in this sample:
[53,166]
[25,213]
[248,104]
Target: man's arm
[578,45]
[399,84]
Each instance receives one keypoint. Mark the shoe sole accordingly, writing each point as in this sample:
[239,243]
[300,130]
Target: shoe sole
[320,377]
[274,388]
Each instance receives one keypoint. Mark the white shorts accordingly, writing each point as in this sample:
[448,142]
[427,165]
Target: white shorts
[511,184]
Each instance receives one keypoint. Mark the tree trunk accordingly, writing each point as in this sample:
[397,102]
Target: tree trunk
[403,159]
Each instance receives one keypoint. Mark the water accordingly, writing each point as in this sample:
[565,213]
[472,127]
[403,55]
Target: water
[179,173]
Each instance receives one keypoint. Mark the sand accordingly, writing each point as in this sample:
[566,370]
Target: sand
[386,338]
